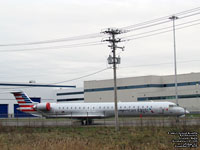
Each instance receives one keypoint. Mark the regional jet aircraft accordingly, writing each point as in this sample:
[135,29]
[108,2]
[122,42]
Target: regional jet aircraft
[88,111]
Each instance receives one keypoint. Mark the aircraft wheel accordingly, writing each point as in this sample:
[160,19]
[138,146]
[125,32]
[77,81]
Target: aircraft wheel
[82,122]
[88,121]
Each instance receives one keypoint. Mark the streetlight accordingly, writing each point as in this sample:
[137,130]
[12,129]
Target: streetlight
[173,18]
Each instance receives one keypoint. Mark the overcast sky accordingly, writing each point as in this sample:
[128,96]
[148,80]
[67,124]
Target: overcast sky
[39,20]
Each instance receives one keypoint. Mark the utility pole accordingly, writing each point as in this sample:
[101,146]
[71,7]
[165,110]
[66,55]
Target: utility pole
[114,60]
[173,18]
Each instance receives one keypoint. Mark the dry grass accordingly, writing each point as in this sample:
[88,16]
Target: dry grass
[89,138]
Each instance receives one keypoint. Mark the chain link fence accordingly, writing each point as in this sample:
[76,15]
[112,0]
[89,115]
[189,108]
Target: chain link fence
[24,120]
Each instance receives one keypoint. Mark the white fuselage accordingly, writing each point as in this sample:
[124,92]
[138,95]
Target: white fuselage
[100,110]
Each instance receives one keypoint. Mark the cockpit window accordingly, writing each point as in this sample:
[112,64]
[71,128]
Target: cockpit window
[174,105]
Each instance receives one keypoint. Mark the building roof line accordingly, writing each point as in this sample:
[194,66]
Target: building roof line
[36,85]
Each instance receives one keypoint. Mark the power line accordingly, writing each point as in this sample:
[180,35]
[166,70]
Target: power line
[73,78]
[147,26]
[102,70]
[162,32]
[160,19]
[57,47]
[159,23]
[81,76]
[190,15]
[81,37]
[161,29]
[188,11]
[94,43]
[97,35]
[99,43]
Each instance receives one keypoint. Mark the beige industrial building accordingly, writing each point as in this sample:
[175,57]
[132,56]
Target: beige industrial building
[147,88]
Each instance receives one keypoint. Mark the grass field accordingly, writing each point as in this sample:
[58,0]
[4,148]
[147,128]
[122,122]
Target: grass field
[91,138]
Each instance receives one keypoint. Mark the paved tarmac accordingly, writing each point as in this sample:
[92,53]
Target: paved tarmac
[38,122]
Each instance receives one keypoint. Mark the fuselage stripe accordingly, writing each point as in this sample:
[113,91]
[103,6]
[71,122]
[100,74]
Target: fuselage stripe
[21,102]
[28,110]
[27,106]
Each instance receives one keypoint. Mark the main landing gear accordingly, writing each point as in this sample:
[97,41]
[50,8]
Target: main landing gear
[86,122]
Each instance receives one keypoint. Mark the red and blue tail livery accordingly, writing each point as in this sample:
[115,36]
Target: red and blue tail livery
[24,102]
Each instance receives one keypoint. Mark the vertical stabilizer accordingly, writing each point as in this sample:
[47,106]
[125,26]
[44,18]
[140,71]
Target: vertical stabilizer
[24,102]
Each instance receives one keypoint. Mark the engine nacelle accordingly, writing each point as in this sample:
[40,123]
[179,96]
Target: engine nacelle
[43,106]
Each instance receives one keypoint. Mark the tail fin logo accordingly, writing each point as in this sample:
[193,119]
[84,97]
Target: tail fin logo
[22,98]
[24,102]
